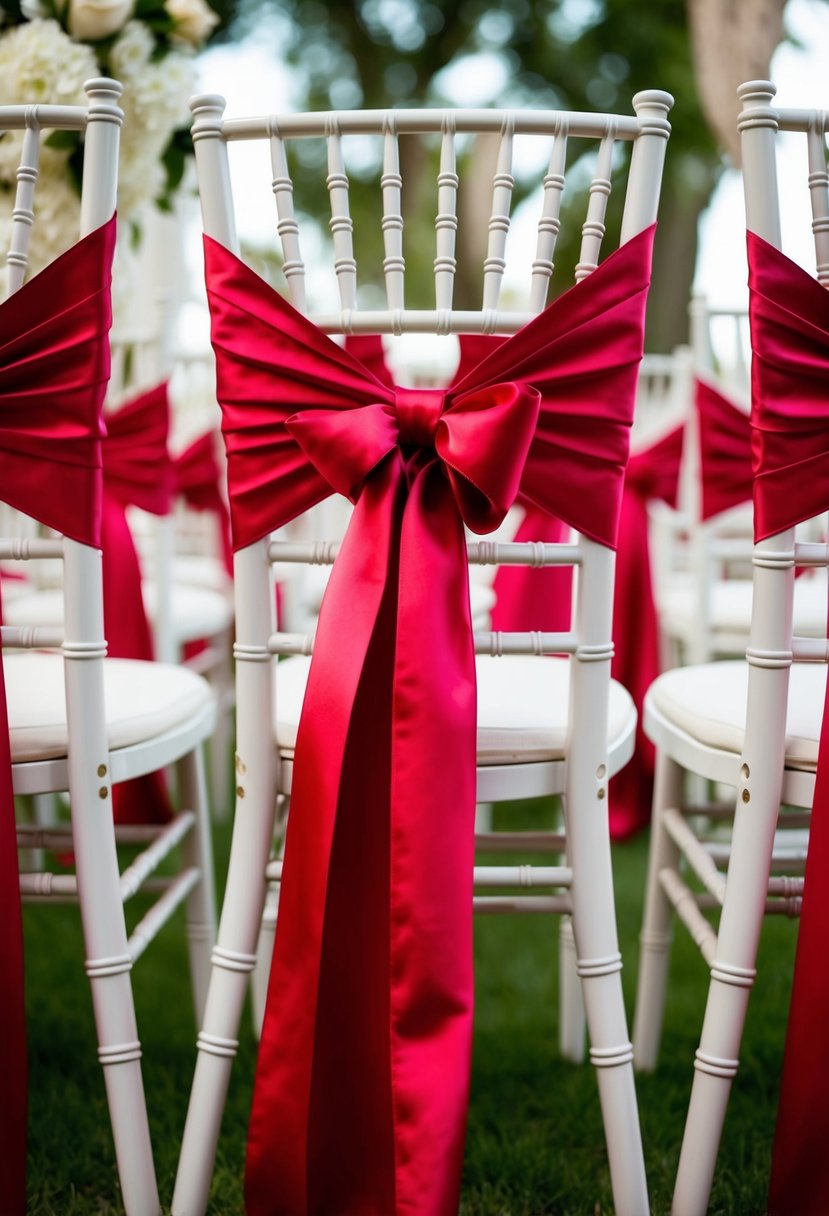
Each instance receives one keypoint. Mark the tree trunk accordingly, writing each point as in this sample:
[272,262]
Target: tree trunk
[732,41]
[675,254]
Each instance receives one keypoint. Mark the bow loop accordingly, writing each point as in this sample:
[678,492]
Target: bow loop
[418,412]
[345,445]
[484,439]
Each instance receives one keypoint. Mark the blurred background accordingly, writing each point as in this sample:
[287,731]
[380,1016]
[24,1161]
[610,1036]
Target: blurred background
[581,54]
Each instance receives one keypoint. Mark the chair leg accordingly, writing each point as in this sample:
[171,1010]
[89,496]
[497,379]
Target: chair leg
[108,966]
[198,853]
[655,938]
[264,954]
[220,744]
[572,1021]
[599,965]
[732,975]
[232,963]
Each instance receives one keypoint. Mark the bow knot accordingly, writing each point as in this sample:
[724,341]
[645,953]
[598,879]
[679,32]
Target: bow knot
[418,412]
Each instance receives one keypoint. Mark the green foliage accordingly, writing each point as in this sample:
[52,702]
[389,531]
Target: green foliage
[576,54]
[534,1144]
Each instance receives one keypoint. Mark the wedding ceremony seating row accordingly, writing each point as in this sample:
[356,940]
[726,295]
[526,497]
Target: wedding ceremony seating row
[75,720]
[374,707]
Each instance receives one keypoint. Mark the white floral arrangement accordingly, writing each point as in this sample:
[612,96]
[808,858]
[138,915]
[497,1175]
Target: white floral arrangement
[48,48]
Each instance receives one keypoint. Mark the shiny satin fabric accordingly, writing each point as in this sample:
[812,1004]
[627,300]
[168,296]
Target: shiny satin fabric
[54,366]
[530,598]
[725,451]
[197,480]
[362,1080]
[137,472]
[789,314]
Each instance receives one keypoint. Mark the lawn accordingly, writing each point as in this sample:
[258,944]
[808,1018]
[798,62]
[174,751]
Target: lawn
[534,1144]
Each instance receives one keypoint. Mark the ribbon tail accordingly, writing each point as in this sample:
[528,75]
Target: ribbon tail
[320,1138]
[14,1108]
[800,1166]
[635,662]
[432,852]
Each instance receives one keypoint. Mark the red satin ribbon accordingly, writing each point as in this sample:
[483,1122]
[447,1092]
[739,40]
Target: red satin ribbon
[54,365]
[652,474]
[725,451]
[789,313]
[197,480]
[137,472]
[362,1082]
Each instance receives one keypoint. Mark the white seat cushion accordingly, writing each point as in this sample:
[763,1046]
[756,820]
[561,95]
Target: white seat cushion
[730,606]
[143,701]
[708,702]
[197,611]
[200,570]
[522,708]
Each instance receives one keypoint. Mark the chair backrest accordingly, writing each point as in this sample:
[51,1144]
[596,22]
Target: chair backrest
[561,139]
[773,646]
[556,130]
[82,637]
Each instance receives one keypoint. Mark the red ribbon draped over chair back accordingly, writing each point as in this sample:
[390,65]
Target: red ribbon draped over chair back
[197,480]
[137,472]
[362,1081]
[789,313]
[725,451]
[54,367]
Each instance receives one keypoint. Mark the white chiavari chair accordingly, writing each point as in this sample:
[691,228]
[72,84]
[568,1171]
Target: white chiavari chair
[81,723]
[750,725]
[534,736]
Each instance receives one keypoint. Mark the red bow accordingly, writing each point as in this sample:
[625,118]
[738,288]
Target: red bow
[197,478]
[725,451]
[789,314]
[54,365]
[362,1082]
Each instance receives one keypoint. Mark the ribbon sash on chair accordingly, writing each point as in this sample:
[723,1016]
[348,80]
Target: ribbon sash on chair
[789,313]
[137,472]
[362,1081]
[197,480]
[725,451]
[54,365]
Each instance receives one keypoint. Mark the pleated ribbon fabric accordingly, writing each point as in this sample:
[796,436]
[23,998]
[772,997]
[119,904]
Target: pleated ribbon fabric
[789,314]
[54,367]
[138,473]
[726,478]
[539,598]
[362,1080]
[197,480]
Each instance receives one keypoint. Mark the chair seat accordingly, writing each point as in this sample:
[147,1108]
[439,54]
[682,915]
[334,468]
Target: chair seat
[197,612]
[708,703]
[315,580]
[522,708]
[201,570]
[730,606]
[143,701]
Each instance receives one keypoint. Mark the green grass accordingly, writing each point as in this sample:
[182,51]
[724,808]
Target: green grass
[534,1144]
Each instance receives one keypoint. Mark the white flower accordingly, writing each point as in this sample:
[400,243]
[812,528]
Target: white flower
[34,8]
[39,62]
[193,19]
[90,20]
[131,51]
[57,218]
